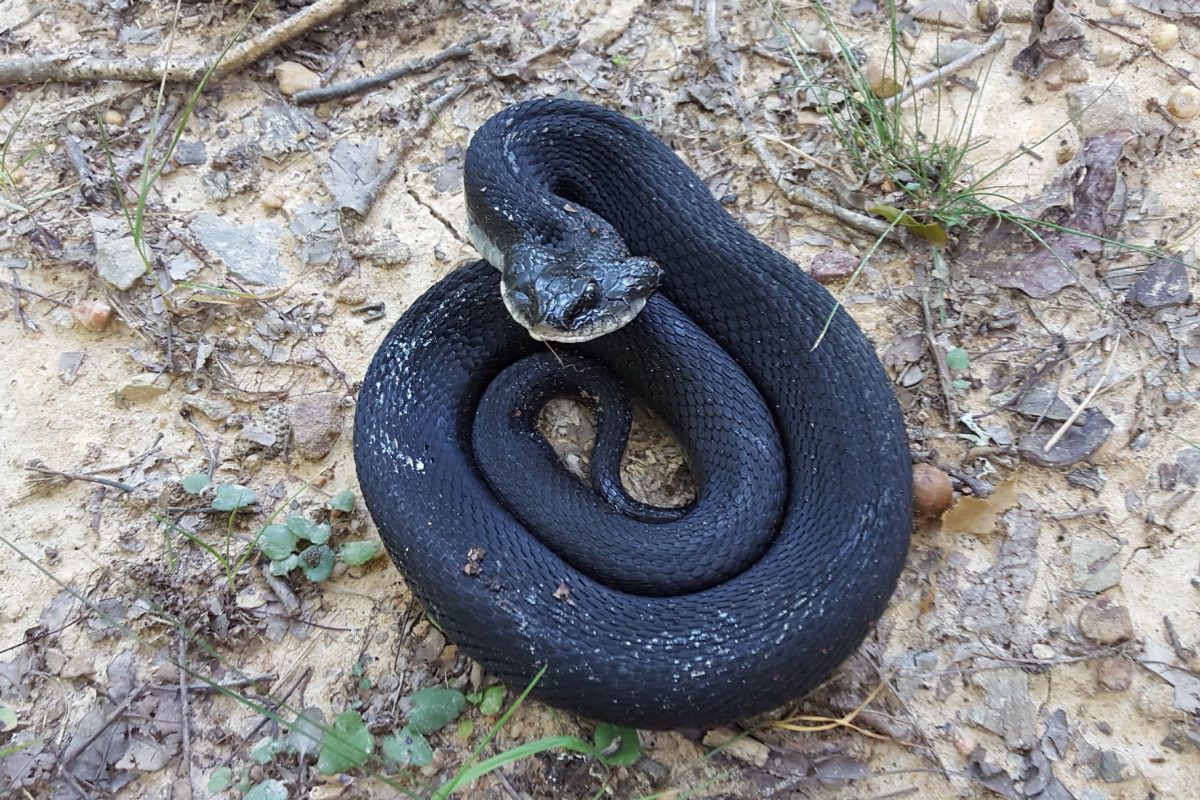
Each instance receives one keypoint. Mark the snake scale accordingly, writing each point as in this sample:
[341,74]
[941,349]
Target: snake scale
[654,618]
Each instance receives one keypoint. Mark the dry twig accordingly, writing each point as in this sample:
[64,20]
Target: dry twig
[994,42]
[72,68]
[794,193]
[359,85]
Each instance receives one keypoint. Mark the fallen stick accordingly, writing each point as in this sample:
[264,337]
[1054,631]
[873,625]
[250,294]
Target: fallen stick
[794,193]
[309,97]
[71,68]
[994,42]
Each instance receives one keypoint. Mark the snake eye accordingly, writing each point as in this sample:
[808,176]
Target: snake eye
[590,296]
[585,301]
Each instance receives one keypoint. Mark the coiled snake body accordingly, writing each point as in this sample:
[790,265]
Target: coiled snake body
[641,616]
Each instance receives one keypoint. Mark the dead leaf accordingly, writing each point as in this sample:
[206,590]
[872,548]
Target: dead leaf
[977,515]
[1157,658]
[1054,34]
[1085,436]
[354,174]
[1007,255]
[931,232]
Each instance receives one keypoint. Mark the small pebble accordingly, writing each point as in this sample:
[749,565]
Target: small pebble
[742,748]
[272,199]
[1114,674]
[1074,71]
[1165,37]
[92,314]
[988,14]
[882,85]
[1105,621]
[1118,8]
[1108,55]
[833,265]
[1184,102]
[1054,81]
[113,118]
[932,490]
[352,293]
[293,77]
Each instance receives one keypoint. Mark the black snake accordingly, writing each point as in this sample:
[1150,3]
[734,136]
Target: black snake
[649,617]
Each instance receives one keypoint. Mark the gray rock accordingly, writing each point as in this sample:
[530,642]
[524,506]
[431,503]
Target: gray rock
[1105,621]
[1099,108]
[1090,430]
[117,259]
[1163,283]
[249,252]
[144,387]
[1093,567]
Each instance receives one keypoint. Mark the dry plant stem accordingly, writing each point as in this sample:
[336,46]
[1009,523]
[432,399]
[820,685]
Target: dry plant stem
[185,717]
[73,752]
[75,476]
[1142,47]
[26,290]
[70,68]
[359,85]
[994,43]
[935,350]
[794,193]
[1069,421]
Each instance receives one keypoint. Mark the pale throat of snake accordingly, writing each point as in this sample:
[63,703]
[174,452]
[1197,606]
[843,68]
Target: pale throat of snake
[576,284]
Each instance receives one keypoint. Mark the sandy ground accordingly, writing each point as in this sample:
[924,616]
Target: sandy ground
[1043,639]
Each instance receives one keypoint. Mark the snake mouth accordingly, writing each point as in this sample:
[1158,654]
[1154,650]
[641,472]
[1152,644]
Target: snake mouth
[605,324]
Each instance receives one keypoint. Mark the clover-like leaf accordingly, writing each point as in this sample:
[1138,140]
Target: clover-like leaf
[269,789]
[360,551]
[617,746]
[492,700]
[231,497]
[347,744]
[343,501]
[285,565]
[435,707]
[277,542]
[408,748]
[195,484]
[220,780]
[304,528]
[317,562]
[304,735]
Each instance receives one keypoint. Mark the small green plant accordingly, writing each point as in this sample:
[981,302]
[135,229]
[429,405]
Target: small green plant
[280,543]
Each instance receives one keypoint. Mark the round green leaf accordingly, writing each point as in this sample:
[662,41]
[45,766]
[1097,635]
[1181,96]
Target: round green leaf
[317,562]
[220,780]
[231,497]
[342,501]
[617,746]
[195,484]
[277,542]
[359,552]
[264,751]
[285,565]
[433,708]
[308,530]
[347,744]
[407,749]
[269,789]
[492,700]
[957,359]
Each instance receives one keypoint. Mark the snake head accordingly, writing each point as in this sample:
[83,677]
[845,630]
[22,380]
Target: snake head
[572,296]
